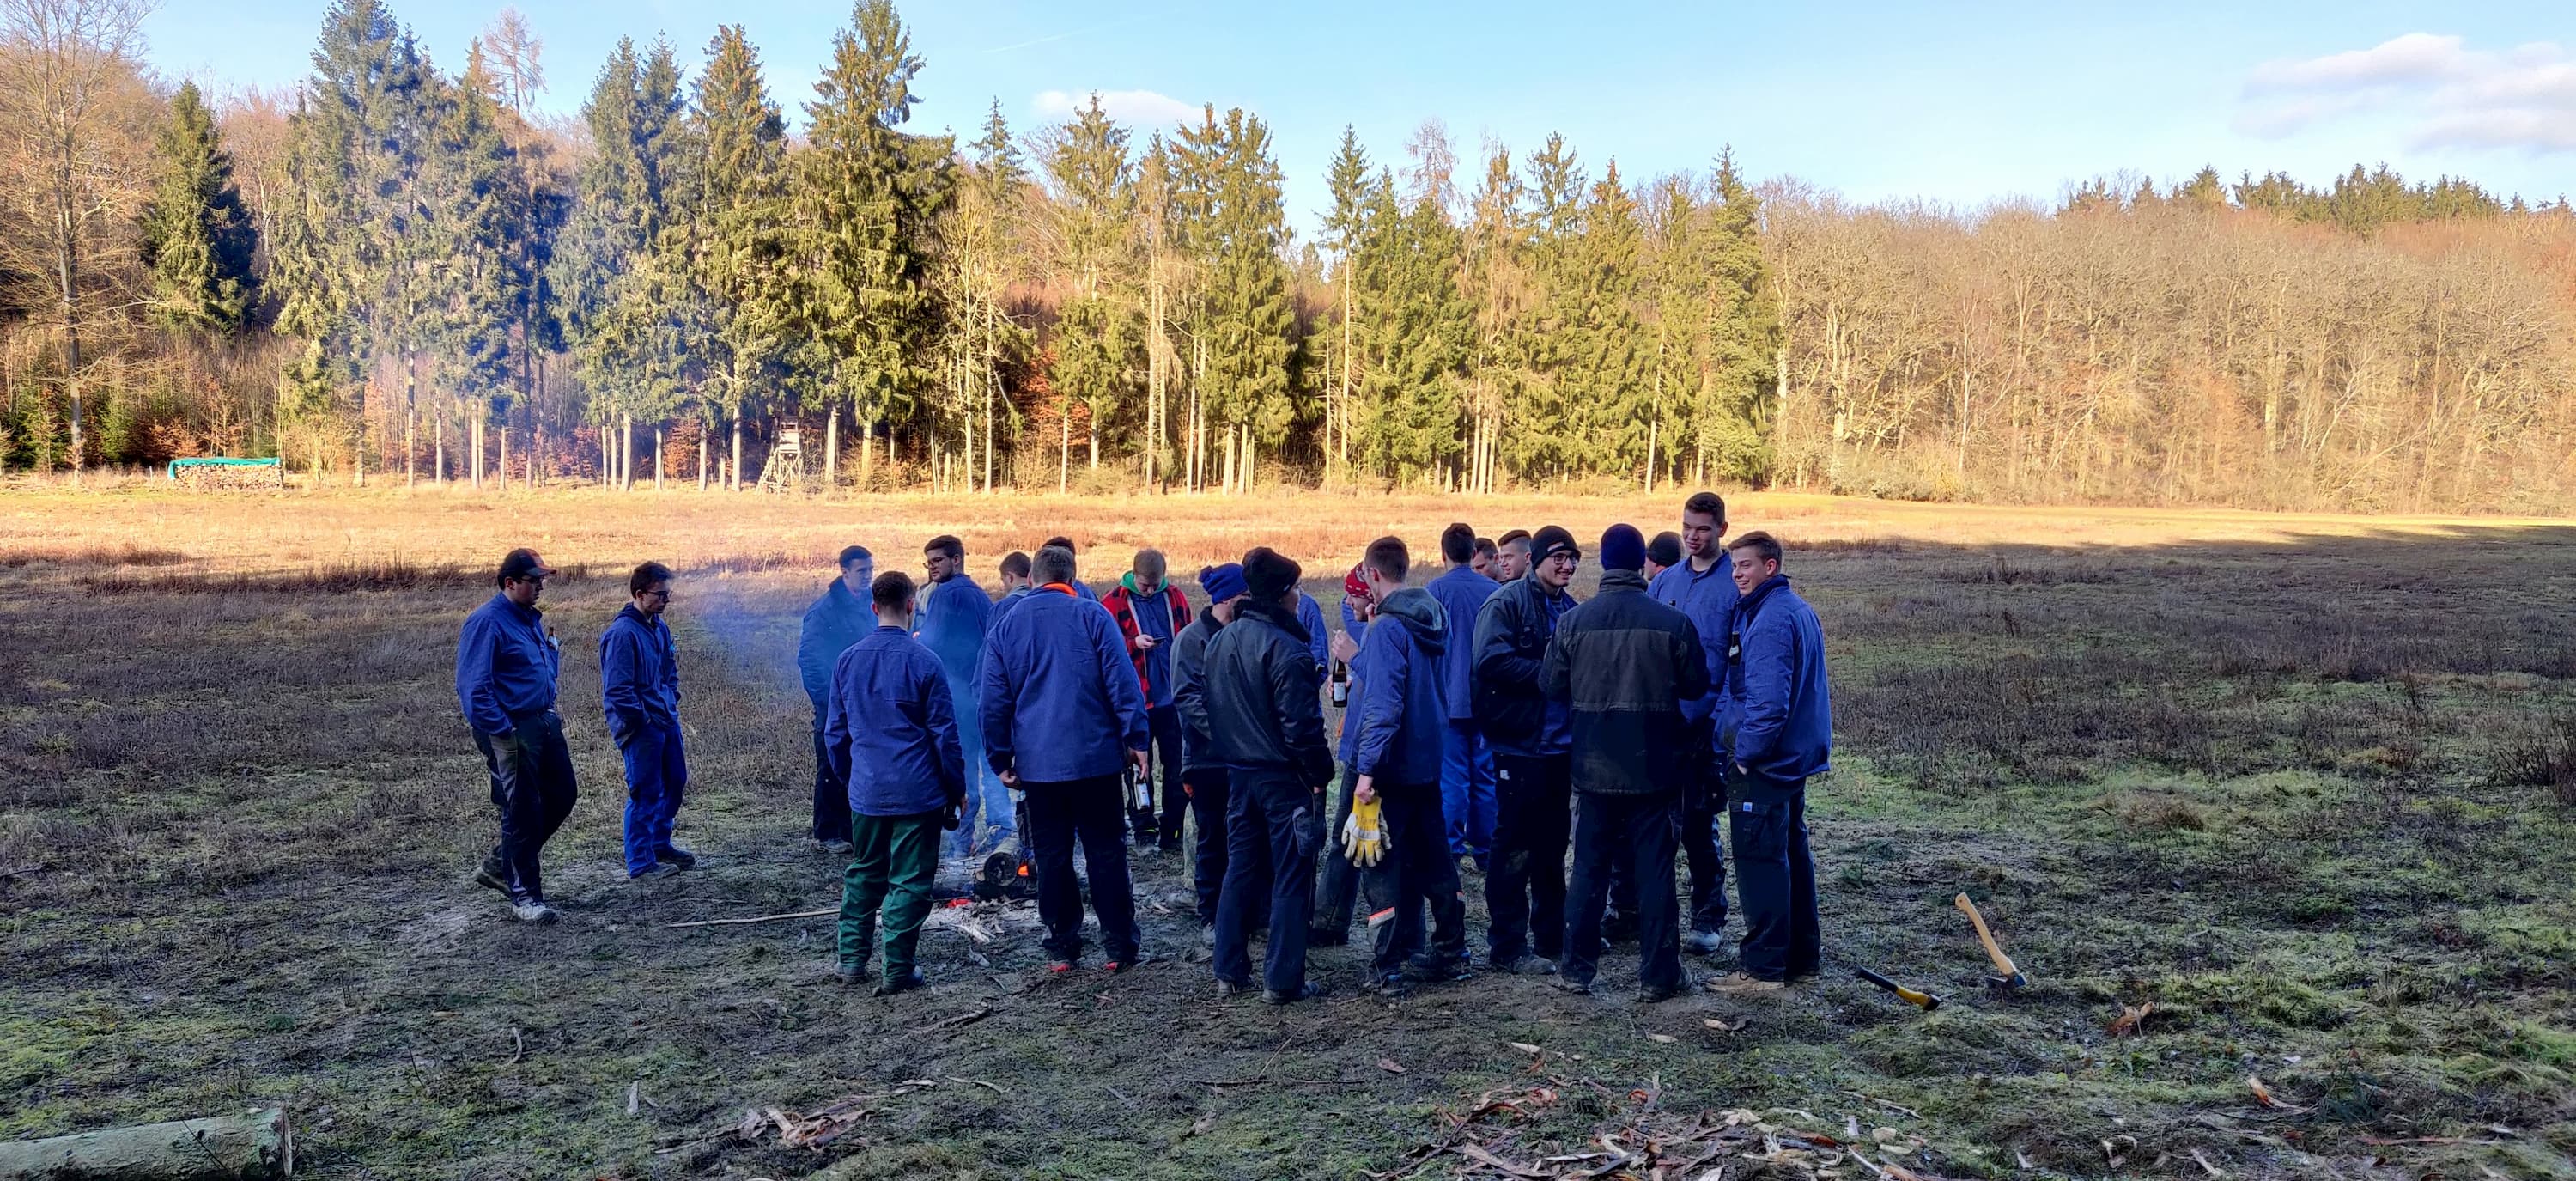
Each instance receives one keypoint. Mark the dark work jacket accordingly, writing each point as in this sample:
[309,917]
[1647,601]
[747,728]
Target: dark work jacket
[1512,631]
[1403,714]
[1779,710]
[1264,715]
[836,620]
[1189,691]
[639,675]
[1624,665]
[505,666]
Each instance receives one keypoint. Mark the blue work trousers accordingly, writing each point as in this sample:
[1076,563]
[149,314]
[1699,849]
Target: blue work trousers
[657,776]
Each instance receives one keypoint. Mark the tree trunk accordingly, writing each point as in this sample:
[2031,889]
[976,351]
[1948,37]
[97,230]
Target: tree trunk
[259,1146]
[501,448]
[867,453]
[1095,443]
[607,461]
[1064,451]
[659,435]
[733,468]
[626,454]
[831,446]
[705,429]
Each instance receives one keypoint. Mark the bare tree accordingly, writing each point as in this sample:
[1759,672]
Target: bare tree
[71,98]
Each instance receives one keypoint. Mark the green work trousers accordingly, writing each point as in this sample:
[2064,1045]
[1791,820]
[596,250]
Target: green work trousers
[886,892]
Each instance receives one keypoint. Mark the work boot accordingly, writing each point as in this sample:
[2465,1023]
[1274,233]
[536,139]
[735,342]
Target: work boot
[1389,985]
[1656,994]
[1527,965]
[911,979]
[533,910]
[1304,992]
[1705,942]
[493,874]
[849,972]
[660,869]
[1740,984]
[677,858]
[1423,971]
[1227,990]
[1572,985]
[833,845]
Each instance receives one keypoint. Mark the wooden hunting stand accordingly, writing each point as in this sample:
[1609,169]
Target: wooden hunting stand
[785,471]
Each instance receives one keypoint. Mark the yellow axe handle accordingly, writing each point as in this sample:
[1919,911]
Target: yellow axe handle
[2003,963]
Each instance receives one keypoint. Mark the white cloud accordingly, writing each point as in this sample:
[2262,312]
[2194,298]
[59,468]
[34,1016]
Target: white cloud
[1135,108]
[2451,94]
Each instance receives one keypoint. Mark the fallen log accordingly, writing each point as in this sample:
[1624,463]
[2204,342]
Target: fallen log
[255,1147]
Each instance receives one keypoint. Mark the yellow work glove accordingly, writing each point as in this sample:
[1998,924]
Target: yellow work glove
[1364,834]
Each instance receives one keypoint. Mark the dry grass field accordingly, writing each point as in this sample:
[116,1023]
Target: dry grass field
[2305,784]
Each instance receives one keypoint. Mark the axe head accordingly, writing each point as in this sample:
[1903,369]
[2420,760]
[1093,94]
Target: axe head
[2010,983]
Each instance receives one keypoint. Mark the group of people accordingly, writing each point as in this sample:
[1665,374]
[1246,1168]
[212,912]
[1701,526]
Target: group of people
[1574,753]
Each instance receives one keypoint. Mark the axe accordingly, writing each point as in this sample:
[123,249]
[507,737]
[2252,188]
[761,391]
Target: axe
[1924,1000]
[2012,977]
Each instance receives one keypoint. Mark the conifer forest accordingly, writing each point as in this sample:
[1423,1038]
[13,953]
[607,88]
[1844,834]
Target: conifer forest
[401,272]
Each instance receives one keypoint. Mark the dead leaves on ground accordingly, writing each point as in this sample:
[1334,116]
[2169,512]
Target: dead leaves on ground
[1643,1141]
[2130,1018]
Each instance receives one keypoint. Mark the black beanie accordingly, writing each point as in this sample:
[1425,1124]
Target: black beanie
[1267,575]
[1546,543]
[1665,549]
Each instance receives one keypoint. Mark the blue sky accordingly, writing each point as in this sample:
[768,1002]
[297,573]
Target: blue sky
[1956,103]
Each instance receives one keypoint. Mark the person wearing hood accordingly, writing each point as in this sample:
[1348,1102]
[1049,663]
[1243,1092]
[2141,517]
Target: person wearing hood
[1063,718]
[639,689]
[953,619]
[1203,778]
[1624,664]
[1151,611]
[1466,764]
[1266,723]
[1777,723]
[1525,888]
[1403,722]
[506,663]
[838,618]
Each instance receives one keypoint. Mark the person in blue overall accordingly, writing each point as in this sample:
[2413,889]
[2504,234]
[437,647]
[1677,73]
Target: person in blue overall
[639,690]
[1466,763]
[506,662]
[954,617]
[838,618]
[891,729]
[1779,728]
[1700,583]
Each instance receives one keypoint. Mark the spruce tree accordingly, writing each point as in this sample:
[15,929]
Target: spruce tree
[1096,333]
[1743,362]
[197,239]
[737,241]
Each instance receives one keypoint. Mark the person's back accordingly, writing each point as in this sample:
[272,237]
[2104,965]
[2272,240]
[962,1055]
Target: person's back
[1405,699]
[1263,711]
[1059,698]
[1624,664]
[892,726]
[1461,593]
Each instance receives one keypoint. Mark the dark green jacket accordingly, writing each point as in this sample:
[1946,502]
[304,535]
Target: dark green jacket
[1624,664]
